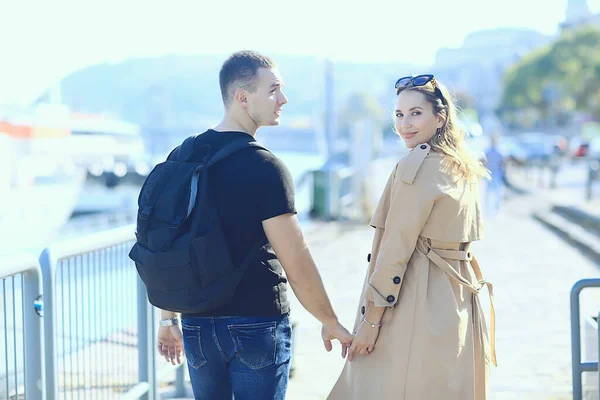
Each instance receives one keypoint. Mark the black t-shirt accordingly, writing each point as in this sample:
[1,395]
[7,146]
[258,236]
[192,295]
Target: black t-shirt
[250,186]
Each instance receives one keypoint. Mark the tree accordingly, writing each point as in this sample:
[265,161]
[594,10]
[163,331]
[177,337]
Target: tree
[556,79]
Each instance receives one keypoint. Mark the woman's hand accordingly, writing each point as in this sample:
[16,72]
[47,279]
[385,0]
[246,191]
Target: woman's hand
[364,341]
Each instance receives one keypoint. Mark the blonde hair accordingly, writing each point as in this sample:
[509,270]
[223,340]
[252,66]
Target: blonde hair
[450,138]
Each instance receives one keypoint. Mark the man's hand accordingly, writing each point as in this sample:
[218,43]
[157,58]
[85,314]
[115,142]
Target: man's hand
[170,343]
[364,341]
[337,331]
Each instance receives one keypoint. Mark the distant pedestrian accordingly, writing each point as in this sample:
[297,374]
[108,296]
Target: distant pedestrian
[494,189]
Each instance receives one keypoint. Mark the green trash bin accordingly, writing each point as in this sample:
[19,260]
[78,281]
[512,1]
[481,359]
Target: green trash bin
[319,194]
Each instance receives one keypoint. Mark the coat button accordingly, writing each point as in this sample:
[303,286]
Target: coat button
[369,258]
[397,280]
[423,146]
[390,299]
[362,310]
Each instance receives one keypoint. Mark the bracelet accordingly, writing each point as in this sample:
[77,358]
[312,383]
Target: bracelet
[168,322]
[372,325]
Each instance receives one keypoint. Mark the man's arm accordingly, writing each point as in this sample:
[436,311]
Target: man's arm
[164,314]
[285,235]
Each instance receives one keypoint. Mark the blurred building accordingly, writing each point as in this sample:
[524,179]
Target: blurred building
[578,15]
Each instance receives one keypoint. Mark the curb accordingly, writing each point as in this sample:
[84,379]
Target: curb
[575,214]
[573,233]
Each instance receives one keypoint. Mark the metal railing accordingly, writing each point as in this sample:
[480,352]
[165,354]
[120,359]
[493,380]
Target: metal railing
[577,367]
[22,373]
[99,327]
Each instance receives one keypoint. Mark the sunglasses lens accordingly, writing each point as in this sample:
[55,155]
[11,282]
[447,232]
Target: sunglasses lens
[421,80]
[402,82]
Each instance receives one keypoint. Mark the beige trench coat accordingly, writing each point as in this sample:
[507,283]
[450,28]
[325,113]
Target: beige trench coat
[433,343]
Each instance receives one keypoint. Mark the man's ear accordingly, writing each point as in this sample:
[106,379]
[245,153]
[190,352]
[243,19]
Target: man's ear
[241,96]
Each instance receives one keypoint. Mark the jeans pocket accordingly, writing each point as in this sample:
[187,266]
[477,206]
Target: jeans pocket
[255,343]
[193,346]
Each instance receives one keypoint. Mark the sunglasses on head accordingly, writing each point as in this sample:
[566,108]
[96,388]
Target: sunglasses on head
[420,80]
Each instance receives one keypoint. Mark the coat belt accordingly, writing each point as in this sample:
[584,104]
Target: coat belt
[439,257]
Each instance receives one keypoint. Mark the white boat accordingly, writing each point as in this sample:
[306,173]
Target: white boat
[39,180]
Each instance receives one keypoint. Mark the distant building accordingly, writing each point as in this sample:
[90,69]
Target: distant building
[579,15]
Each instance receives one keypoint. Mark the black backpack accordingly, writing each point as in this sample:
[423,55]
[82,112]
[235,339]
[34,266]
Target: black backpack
[181,254]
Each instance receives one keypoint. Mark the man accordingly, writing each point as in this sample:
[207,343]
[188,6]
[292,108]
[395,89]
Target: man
[243,349]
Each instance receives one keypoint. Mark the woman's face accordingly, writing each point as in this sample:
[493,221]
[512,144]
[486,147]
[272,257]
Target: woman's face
[414,118]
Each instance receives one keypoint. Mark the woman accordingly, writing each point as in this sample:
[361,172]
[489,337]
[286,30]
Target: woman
[420,332]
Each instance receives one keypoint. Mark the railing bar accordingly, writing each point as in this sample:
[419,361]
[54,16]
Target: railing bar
[127,298]
[115,311]
[96,314]
[598,344]
[105,377]
[5,336]
[119,331]
[24,344]
[577,367]
[64,327]
[76,331]
[70,327]
[88,343]
[14,310]
[122,311]
[81,343]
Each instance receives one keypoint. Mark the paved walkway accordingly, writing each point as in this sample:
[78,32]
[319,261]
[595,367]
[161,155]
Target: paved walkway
[532,270]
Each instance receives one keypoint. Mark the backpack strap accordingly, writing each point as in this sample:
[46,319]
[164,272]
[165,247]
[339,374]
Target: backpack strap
[186,150]
[194,189]
[224,152]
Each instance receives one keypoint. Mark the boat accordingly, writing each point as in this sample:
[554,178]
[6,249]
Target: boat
[40,180]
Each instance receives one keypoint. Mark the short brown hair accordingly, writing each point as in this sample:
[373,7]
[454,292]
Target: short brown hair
[239,72]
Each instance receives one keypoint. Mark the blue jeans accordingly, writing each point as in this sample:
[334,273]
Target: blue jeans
[241,358]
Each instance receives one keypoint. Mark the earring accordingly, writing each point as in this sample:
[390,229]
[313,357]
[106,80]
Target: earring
[439,133]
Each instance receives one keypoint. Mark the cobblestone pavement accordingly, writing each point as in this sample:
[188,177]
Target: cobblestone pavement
[532,271]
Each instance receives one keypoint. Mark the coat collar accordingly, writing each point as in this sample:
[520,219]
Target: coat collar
[412,162]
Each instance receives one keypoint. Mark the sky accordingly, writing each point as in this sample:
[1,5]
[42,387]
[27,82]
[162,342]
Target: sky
[42,41]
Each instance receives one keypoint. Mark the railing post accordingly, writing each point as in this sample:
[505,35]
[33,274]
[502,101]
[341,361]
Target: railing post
[576,342]
[146,353]
[577,367]
[33,331]
[48,264]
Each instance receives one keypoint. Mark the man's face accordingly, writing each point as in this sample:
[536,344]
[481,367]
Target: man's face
[265,103]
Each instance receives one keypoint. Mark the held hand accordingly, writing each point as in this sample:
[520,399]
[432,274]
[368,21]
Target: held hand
[364,341]
[170,343]
[328,333]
